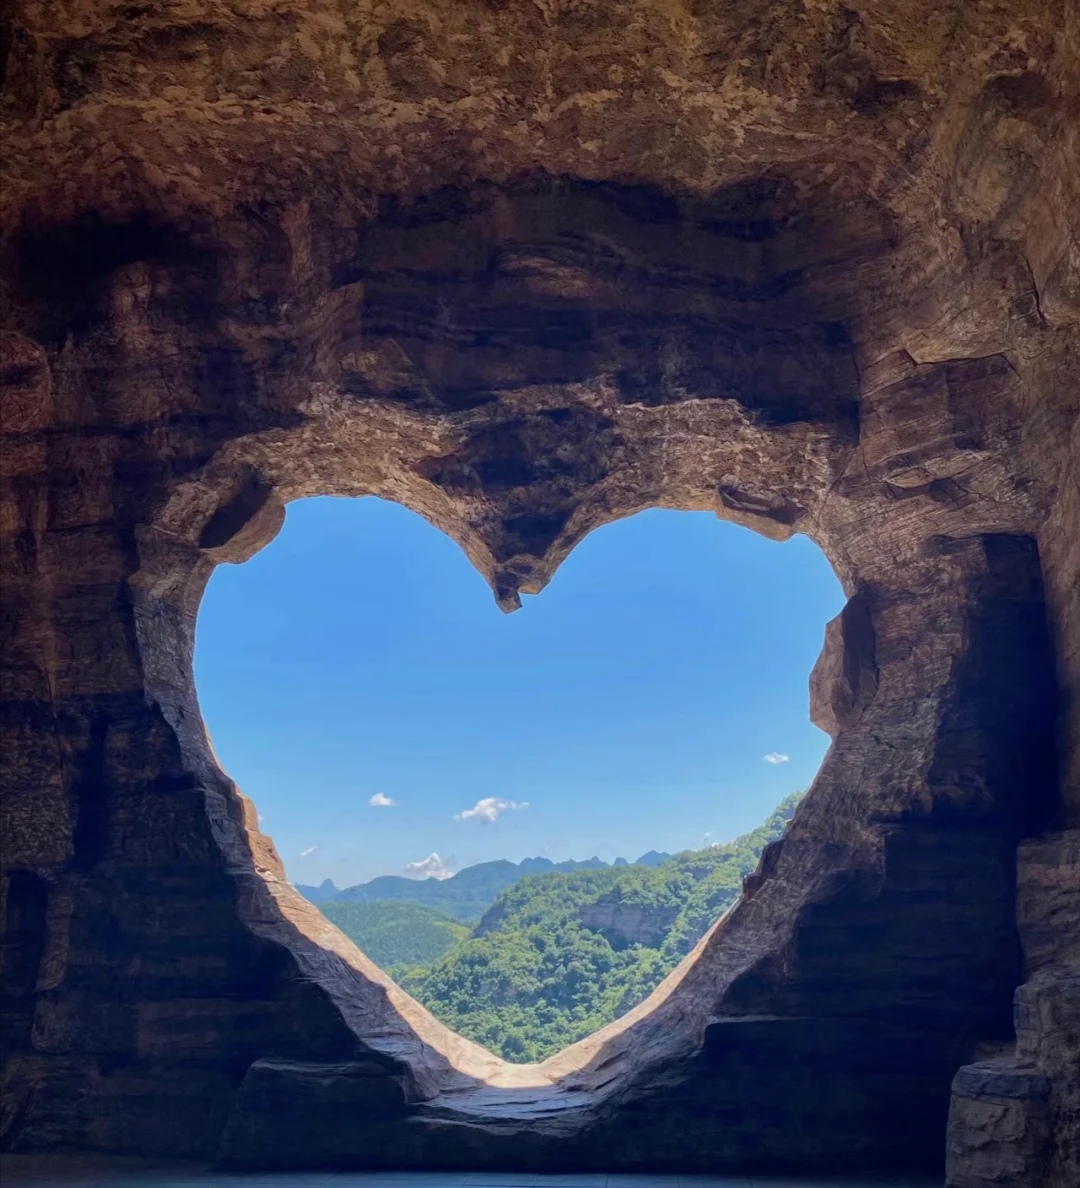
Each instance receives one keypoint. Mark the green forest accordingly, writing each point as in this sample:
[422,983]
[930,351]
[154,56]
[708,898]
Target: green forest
[397,934]
[561,954]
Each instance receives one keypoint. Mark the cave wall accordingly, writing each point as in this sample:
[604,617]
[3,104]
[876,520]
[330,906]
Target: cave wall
[527,268]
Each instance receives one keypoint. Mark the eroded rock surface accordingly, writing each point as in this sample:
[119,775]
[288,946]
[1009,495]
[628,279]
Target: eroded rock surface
[527,268]
[628,923]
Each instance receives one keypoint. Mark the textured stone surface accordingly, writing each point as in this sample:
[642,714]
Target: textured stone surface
[628,923]
[1047,1006]
[845,677]
[527,268]
[1048,901]
[1015,1120]
[998,1126]
[316,1106]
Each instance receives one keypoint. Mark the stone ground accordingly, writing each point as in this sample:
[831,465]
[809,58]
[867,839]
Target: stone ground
[32,1171]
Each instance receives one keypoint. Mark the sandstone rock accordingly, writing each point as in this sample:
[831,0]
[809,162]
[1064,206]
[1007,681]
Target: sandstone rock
[998,1126]
[1048,901]
[526,269]
[845,677]
[291,1113]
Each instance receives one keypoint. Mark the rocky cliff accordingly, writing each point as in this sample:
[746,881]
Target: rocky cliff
[526,268]
[628,923]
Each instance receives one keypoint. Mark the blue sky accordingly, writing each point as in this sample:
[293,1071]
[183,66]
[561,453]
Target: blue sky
[630,706]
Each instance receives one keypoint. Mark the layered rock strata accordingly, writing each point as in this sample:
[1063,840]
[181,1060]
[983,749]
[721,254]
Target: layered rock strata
[527,268]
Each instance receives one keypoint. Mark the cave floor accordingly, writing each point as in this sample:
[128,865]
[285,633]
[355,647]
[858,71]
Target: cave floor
[72,1171]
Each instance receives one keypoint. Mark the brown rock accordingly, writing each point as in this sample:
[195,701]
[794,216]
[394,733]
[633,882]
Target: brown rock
[998,1126]
[301,1113]
[528,268]
[1048,901]
[845,677]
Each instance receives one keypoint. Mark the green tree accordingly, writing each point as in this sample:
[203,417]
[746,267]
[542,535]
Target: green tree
[397,934]
[534,976]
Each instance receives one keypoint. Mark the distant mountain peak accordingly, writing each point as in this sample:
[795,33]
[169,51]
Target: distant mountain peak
[465,895]
[535,864]
[324,892]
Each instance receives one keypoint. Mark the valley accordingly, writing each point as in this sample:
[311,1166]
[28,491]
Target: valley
[541,954]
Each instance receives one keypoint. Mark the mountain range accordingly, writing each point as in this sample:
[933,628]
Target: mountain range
[560,952]
[466,895]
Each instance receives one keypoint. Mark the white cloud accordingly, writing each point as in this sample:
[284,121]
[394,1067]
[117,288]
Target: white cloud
[432,866]
[775,757]
[489,809]
[308,852]
[379,800]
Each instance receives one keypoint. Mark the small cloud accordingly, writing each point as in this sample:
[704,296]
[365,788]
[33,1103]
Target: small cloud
[308,852]
[381,801]
[432,866]
[706,837]
[775,757]
[489,809]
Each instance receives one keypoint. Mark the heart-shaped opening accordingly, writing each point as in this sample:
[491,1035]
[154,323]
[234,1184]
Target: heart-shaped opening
[527,820]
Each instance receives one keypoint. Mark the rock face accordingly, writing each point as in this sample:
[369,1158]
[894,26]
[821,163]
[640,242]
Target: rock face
[527,268]
[317,1105]
[1013,1119]
[628,923]
[844,679]
[999,1129]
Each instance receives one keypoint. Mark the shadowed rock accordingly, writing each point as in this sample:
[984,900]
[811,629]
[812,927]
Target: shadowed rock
[527,268]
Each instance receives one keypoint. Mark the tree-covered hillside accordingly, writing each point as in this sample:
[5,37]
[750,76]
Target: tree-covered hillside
[559,955]
[394,934]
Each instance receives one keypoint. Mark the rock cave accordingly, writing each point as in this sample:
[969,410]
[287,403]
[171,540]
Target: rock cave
[525,268]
